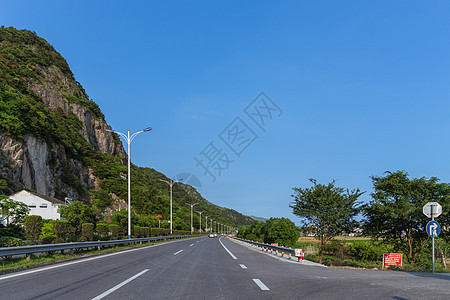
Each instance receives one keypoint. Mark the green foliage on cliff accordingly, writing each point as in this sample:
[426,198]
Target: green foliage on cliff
[28,63]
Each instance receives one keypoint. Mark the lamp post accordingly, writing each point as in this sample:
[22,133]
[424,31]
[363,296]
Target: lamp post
[192,206]
[206,228]
[200,213]
[171,183]
[129,139]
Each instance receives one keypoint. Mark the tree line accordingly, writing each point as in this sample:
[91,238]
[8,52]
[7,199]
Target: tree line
[393,215]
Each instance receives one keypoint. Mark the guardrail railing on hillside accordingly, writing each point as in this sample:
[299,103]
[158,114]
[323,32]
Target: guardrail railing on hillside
[27,250]
[298,253]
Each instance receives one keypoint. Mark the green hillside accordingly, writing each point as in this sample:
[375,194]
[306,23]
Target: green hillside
[29,63]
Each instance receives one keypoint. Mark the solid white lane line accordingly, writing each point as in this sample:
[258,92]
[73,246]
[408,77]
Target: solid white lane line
[229,252]
[101,296]
[243,266]
[178,252]
[191,245]
[261,285]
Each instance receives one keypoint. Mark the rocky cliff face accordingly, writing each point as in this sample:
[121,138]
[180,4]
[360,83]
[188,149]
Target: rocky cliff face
[31,162]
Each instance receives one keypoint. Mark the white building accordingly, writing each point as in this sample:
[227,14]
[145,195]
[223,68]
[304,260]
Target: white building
[44,206]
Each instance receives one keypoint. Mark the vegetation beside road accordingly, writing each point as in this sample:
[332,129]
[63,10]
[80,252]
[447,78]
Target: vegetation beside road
[392,222]
[393,219]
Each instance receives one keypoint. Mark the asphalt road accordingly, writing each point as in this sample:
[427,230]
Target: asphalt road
[202,268]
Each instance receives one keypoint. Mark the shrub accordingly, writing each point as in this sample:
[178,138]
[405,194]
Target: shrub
[334,247]
[102,230]
[87,230]
[11,242]
[61,228]
[114,230]
[33,225]
[137,231]
[369,251]
[145,231]
[48,240]
[47,229]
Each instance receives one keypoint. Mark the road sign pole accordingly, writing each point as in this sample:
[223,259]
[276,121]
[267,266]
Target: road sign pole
[432,238]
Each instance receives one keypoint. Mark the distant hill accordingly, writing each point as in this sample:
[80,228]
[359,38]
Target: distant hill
[258,218]
[53,140]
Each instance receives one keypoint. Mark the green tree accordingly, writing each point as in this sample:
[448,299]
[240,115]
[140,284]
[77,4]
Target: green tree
[395,211]
[282,231]
[327,209]
[13,212]
[78,213]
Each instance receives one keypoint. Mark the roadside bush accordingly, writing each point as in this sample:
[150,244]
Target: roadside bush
[11,242]
[103,230]
[61,228]
[137,231]
[335,248]
[47,229]
[114,230]
[12,231]
[48,240]
[145,231]
[87,230]
[368,250]
[33,225]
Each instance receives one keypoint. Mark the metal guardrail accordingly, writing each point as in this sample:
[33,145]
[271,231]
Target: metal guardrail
[283,250]
[267,246]
[9,251]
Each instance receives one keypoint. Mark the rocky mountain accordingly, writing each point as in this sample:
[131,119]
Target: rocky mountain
[53,138]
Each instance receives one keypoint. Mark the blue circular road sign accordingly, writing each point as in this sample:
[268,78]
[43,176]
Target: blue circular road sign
[433,228]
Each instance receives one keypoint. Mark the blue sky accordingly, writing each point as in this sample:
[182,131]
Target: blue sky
[362,87]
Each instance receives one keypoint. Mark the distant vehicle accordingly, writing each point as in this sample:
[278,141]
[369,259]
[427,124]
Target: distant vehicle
[215,234]
[211,235]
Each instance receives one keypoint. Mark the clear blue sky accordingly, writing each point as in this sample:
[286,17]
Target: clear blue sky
[363,87]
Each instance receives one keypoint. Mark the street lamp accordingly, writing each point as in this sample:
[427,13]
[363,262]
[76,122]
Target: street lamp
[192,206]
[200,213]
[206,229]
[171,183]
[129,139]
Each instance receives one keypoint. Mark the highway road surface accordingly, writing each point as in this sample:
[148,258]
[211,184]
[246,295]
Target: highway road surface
[212,268]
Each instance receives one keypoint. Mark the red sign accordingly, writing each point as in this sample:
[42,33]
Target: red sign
[392,259]
[274,244]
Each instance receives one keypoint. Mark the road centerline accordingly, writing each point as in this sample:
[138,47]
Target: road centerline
[261,285]
[103,295]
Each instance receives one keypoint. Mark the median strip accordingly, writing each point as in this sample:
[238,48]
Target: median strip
[261,285]
[101,296]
